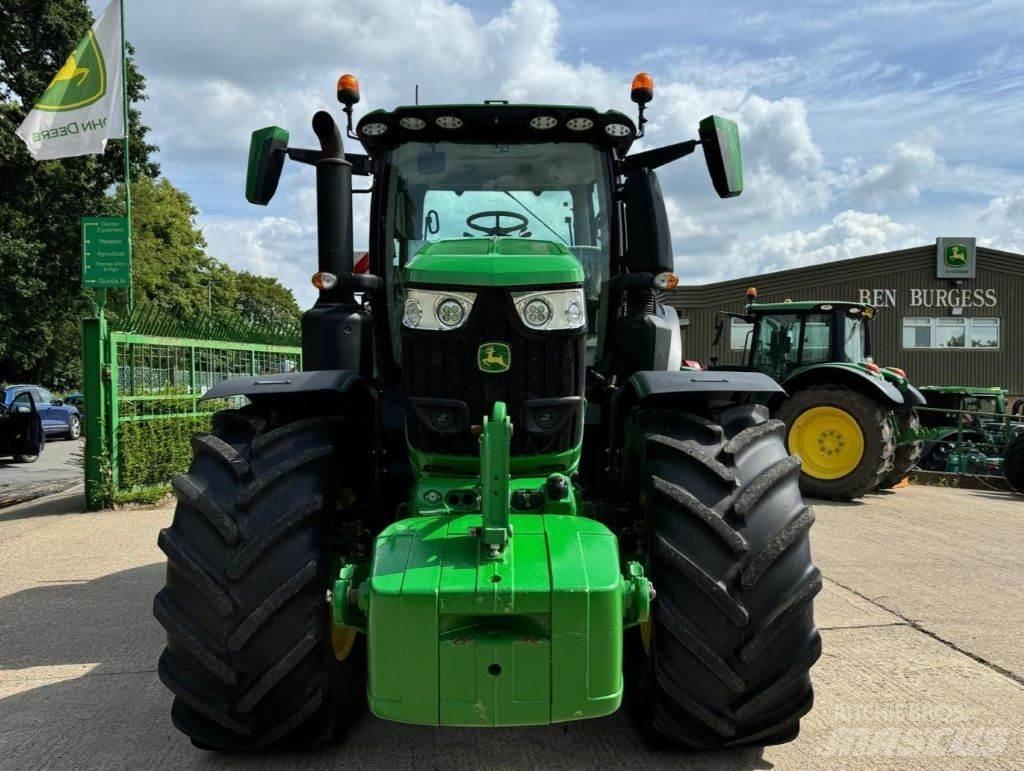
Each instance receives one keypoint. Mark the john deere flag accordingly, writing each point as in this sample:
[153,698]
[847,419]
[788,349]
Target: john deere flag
[81,108]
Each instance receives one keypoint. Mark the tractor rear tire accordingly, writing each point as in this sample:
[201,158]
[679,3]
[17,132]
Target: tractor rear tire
[1013,464]
[872,419]
[725,659]
[907,455]
[249,656]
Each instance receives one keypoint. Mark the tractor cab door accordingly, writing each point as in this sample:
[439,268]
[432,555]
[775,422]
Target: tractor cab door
[776,345]
[21,427]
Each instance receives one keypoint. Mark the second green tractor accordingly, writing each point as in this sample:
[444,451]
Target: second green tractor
[853,423]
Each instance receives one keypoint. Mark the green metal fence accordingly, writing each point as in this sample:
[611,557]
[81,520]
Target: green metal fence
[143,383]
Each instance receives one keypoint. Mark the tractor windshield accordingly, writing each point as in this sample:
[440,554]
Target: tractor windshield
[551,191]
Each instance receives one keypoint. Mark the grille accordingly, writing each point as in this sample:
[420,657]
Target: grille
[443,365]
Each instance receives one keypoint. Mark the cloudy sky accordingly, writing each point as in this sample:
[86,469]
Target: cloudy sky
[866,126]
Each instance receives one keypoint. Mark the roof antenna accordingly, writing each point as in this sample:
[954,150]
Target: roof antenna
[417,97]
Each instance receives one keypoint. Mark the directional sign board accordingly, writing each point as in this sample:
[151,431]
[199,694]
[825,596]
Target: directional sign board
[106,252]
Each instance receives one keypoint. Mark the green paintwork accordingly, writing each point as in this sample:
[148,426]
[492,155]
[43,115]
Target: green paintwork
[494,262]
[479,614]
[495,437]
[728,134]
[859,368]
[967,390]
[459,638]
[256,159]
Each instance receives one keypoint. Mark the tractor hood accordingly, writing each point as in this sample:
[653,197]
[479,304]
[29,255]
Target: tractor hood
[494,262]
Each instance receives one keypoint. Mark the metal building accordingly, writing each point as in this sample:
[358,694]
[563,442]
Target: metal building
[948,313]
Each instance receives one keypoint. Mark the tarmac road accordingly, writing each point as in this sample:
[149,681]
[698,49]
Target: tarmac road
[54,471]
[921,617]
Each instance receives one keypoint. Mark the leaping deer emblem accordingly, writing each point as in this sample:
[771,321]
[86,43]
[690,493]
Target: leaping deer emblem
[492,358]
[70,71]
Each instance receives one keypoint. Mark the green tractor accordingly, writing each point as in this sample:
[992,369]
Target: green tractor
[458,510]
[852,423]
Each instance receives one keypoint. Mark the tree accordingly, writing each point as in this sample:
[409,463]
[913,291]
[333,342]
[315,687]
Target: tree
[171,270]
[41,203]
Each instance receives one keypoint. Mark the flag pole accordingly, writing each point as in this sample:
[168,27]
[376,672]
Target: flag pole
[127,160]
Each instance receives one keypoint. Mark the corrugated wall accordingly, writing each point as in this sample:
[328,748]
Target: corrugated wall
[901,271]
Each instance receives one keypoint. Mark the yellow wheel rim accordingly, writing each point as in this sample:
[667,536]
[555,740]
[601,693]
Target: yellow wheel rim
[828,441]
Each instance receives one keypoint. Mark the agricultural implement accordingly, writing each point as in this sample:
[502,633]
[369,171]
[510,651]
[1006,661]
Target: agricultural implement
[458,513]
[968,430]
[852,422]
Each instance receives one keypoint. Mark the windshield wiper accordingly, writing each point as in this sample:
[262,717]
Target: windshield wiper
[542,222]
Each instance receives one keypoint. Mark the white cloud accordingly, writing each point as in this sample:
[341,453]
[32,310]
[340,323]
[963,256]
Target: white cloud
[1003,222]
[849,234]
[216,73]
[909,166]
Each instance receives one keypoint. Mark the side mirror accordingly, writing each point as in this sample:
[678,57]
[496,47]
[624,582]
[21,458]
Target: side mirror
[22,409]
[649,239]
[267,152]
[720,138]
[58,402]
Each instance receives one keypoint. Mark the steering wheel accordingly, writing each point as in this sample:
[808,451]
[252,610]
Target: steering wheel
[497,230]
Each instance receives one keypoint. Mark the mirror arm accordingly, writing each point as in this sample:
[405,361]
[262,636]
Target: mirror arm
[652,159]
[309,157]
[361,164]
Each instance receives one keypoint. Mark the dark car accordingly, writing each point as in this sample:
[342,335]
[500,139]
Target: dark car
[21,428]
[59,419]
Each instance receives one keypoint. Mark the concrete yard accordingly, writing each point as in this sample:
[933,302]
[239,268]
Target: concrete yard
[921,616]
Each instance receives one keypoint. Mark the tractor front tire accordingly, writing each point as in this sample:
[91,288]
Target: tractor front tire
[853,425]
[1013,464]
[249,656]
[725,659]
[907,455]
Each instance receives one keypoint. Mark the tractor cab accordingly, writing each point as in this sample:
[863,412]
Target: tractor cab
[810,333]
[789,335]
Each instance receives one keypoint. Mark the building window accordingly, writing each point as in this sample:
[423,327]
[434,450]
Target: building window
[739,334]
[984,333]
[950,332]
[917,333]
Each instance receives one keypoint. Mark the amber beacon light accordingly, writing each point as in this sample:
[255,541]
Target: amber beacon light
[642,90]
[348,90]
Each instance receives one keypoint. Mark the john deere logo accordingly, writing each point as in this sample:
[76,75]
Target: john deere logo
[494,357]
[956,255]
[80,82]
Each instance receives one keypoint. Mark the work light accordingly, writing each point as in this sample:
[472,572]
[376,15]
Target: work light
[444,310]
[560,309]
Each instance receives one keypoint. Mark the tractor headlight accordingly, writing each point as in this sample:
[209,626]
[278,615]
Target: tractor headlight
[432,310]
[562,309]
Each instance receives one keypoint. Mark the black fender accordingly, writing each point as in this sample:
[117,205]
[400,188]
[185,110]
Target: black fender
[858,380]
[257,388]
[322,392]
[658,387]
[650,383]
[913,397]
